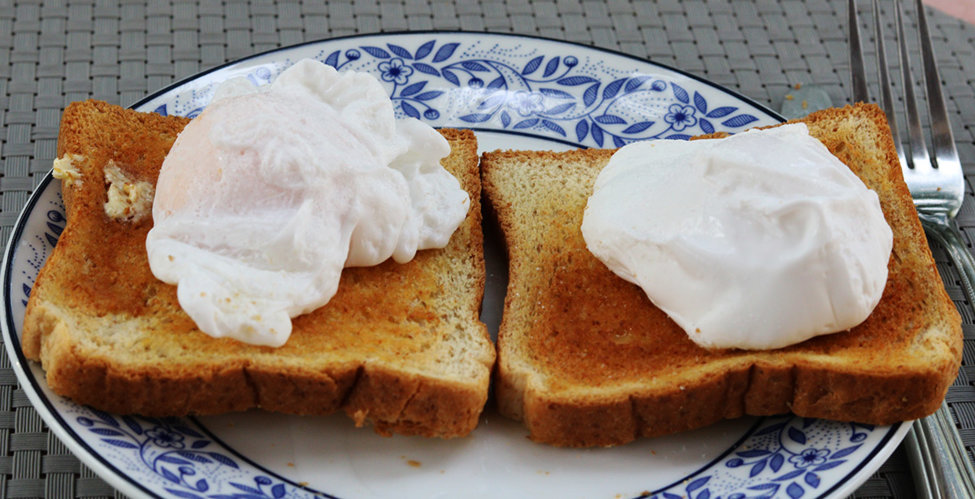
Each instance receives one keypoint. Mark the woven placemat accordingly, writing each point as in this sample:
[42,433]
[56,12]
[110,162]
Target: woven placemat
[55,52]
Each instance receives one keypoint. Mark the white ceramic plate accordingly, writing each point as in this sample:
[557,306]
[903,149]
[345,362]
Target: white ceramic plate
[516,92]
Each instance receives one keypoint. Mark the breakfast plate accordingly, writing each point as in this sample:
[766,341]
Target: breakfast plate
[516,92]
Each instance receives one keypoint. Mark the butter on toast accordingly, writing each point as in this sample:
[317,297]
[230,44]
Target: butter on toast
[585,359]
[400,346]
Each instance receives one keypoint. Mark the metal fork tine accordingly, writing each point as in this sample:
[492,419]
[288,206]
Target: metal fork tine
[885,84]
[918,157]
[859,74]
[941,138]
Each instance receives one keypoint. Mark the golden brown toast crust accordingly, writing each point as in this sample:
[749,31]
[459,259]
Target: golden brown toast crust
[585,359]
[400,346]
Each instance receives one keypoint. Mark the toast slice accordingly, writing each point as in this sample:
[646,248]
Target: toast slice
[585,359]
[400,346]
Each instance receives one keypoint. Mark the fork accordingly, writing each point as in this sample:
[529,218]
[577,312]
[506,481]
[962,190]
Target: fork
[937,187]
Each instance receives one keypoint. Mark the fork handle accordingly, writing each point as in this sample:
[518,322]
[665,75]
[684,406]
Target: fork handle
[944,230]
[936,434]
[943,456]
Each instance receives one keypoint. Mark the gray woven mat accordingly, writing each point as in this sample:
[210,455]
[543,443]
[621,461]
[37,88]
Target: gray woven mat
[55,52]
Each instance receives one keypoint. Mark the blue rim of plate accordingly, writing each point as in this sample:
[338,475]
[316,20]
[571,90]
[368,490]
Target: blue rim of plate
[769,425]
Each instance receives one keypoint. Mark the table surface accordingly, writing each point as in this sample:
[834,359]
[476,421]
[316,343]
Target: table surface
[55,52]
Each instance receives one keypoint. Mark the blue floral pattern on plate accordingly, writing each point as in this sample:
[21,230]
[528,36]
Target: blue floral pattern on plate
[784,457]
[561,96]
[537,88]
[179,455]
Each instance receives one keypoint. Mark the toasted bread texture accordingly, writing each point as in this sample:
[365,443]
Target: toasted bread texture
[400,346]
[585,359]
